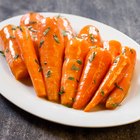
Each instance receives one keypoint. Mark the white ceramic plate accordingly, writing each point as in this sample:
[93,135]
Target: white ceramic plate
[24,96]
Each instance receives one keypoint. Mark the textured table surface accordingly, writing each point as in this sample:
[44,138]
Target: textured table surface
[16,124]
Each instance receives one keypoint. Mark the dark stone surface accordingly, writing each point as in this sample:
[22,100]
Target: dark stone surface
[16,124]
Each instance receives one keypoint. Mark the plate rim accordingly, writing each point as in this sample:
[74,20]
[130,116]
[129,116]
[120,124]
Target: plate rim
[55,121]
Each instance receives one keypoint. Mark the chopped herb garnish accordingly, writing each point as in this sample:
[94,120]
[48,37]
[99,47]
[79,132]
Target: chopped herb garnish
[75,68]
[13,27]
[56,39]
[36,61]
[20,28]
[46,31]
[65,58]
[12,37]
[93,47]
[7,50]
[48,74]
[131,51]
[30,27]
[91,37]
[32,30]
[124,51]
[61,91]
[32,22]
[64,32]
[102,93]
[58,16]
[2,53]
[41,43]
[45,63]
[71,78]
[16,56]
[94,81]
[34,36]
[117,86]
[92,57]
[79,61]
[115,105]
[116,59]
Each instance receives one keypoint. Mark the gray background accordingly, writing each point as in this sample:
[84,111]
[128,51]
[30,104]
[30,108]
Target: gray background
[16,124]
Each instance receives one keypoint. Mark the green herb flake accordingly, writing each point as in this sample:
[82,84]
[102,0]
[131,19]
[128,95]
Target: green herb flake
[13,27]
[131,51]
[56,39]
[36,61]
[46,31]
[61,91]
[32,22]
[16,56]
[71,78]
[30,27]
[102,93]
[117,86]
[48,74]
[91,37]
[64,32]
[92,57]
[45,63]
[41,43]
[20,28]
[7,50]
[2,53]
[58,16]
[124,51]
[11,37]
[79,61]
[32,30]
[75,68]
[115,105]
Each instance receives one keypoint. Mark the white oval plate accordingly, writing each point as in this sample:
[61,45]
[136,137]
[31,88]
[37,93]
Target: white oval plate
[24,96]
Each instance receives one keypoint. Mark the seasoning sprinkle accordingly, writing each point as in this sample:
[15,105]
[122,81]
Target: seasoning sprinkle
[20,28]
[94,81]
[58,16]
[71,78]
[46,31]
[32,30]
[2,53]
[117,86]
[79,61]
[91,37]
[61,91]
[56,39]
[32,22]
[48,74]
[36,61]
[16,56]
[131,51]
[92,57]
[102,93]
[13,27]
[115,105]
[41,43]
[75,68]
[7,50]
[12,37]
[45,63]
[64,32]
